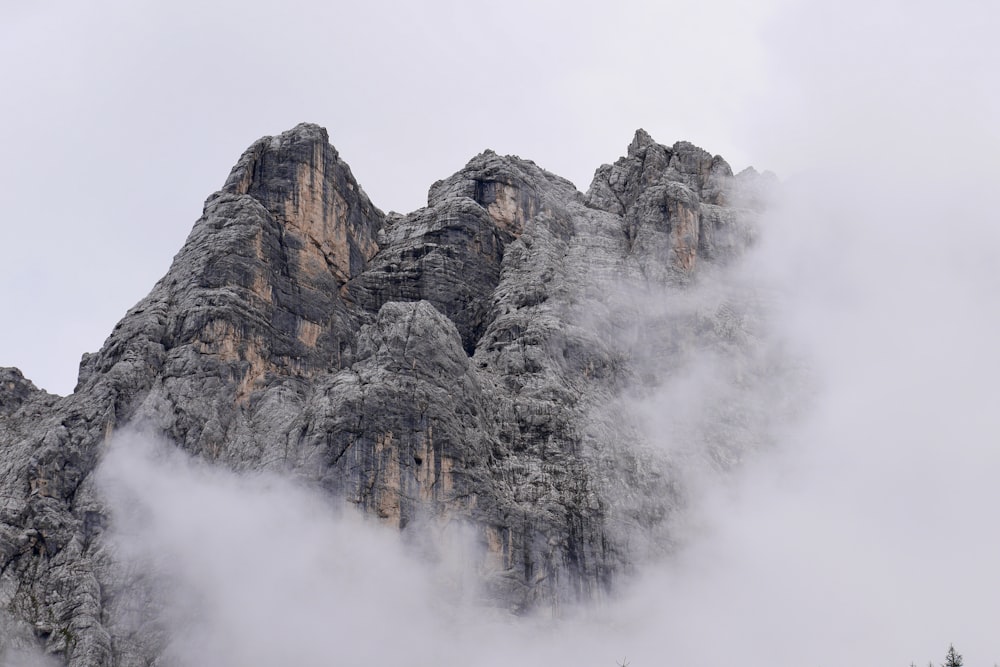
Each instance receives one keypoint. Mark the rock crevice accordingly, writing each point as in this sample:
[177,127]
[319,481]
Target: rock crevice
[458,363]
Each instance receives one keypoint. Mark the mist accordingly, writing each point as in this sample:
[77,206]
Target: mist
[862,527]
[18,647]
[258,569]
[859,530]
[858,527]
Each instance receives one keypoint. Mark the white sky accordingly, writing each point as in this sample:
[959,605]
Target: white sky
[873,539]
[120,118]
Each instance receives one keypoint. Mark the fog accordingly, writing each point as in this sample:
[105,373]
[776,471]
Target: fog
[862,532]
[122,117]
[259,570]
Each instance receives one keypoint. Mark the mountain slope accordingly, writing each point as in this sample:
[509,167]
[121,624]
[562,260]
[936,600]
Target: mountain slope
[464,363]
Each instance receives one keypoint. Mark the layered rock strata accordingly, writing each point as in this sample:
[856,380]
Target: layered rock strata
[457,364]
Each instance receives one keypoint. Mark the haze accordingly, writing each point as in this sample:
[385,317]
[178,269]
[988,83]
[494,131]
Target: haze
[864,534]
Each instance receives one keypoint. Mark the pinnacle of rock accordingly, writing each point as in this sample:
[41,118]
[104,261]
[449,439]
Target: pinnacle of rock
[462,361]
[639,141]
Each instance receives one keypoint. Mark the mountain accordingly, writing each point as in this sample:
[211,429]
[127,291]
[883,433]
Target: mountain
[481,360]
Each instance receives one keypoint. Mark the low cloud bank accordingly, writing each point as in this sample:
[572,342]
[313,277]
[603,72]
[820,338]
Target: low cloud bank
[862,530]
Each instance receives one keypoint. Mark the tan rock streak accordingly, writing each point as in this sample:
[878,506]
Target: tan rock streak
[300,178]
[473,369]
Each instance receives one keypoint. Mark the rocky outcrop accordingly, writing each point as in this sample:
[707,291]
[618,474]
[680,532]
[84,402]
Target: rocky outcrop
[459,363]
[676,203]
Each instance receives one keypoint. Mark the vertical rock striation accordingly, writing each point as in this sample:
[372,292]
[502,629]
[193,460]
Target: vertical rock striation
[455,364]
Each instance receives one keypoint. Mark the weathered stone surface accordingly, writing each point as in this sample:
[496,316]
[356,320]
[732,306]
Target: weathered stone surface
[468,361]
[676,204]
[301,180]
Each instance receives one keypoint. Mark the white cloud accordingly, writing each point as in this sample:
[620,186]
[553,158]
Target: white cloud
[866,536]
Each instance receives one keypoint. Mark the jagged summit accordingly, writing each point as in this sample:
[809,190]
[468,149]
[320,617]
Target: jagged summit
[15,390]
[459,362]
[639,141]
[301,180]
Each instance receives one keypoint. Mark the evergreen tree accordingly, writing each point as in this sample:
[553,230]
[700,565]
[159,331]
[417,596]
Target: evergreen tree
[953,659]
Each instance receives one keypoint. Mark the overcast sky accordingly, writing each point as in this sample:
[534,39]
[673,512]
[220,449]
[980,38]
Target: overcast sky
[120,118]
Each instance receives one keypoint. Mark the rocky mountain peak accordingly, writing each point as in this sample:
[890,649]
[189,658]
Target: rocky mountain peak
[15,390]
[508,187]
[460,363]
[302,182]
[639,141]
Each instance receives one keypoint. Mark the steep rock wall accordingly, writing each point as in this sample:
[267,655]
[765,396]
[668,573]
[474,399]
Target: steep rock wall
[453,364]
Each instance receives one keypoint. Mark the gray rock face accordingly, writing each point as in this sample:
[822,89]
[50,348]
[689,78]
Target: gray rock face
[461,362]
[676,203]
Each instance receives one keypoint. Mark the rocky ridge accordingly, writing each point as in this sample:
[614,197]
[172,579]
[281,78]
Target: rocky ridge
[457,364]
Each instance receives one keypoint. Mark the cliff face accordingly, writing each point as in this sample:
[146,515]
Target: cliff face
[459,363]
